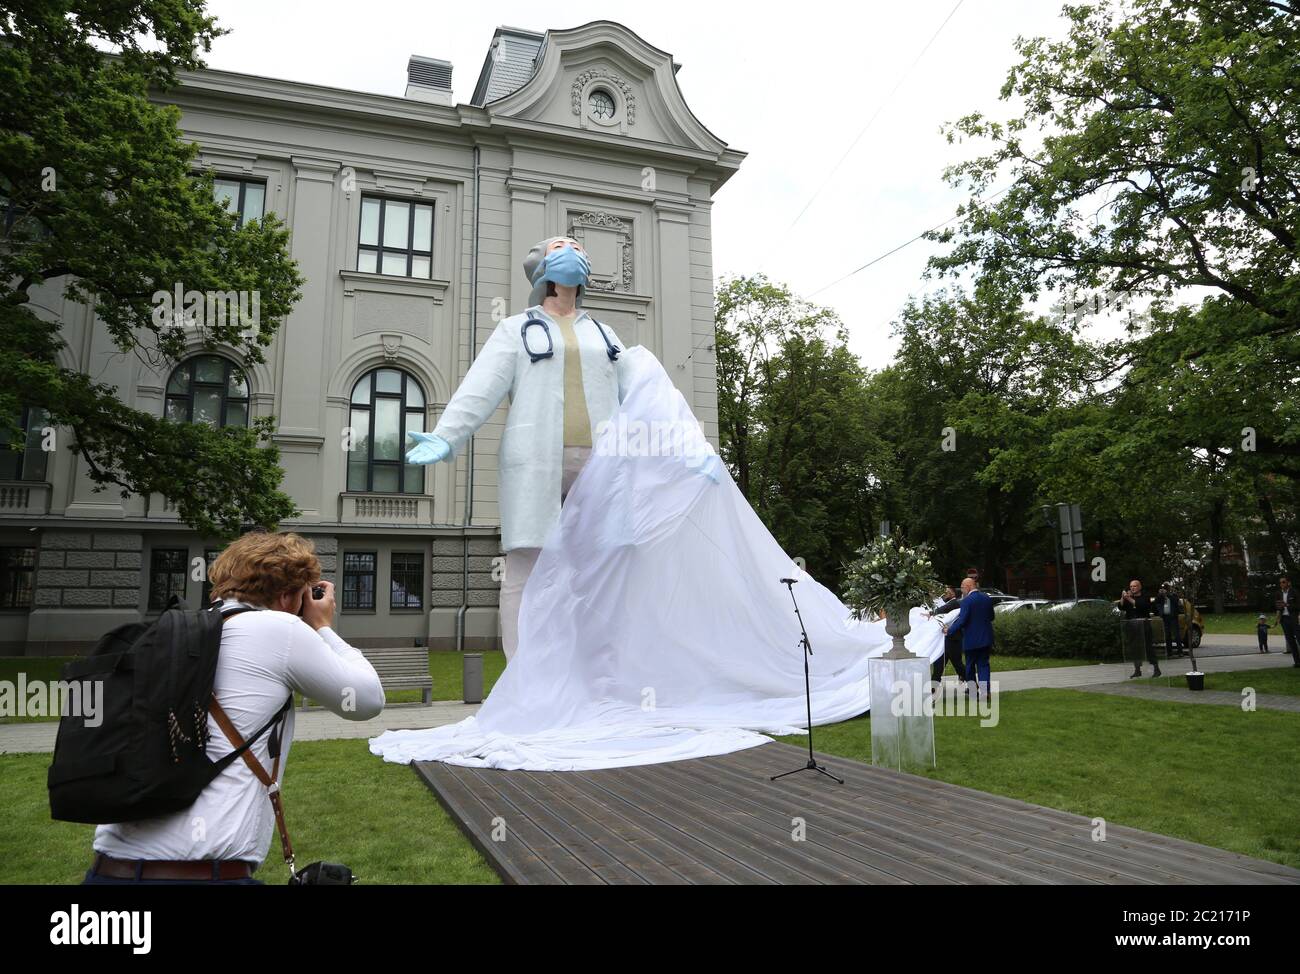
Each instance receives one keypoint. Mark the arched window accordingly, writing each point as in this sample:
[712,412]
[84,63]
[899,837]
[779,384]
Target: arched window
[386,405]
[208,389]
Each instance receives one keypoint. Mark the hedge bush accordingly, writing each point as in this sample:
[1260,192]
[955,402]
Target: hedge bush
[1085,632]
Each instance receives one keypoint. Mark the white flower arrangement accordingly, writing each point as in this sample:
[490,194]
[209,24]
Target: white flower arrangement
[889,574]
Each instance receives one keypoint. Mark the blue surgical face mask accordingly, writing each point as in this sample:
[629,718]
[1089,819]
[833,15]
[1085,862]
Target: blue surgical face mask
[564,266]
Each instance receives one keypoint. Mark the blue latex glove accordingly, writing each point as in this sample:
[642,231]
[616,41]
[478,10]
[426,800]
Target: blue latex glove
[428,448]
[709,465]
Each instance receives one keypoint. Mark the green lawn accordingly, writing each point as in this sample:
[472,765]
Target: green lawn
[445,668]
[1003,663]
[1213,775]
[1283,680]
[342,804]
[1240,623]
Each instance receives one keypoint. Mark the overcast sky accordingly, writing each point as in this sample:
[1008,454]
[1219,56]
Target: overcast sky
[791,84]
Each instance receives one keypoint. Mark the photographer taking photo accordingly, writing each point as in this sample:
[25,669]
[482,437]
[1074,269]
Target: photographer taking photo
[287,646]
[1137,609]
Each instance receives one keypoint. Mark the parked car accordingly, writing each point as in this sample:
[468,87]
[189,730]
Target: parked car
[1018,604]
[997,596]
[1075,603]
[1190,625]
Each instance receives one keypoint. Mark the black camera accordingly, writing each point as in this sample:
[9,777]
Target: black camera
[317,593]
[323,874]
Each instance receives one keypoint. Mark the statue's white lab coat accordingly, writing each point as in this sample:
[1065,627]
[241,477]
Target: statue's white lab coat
[532,447]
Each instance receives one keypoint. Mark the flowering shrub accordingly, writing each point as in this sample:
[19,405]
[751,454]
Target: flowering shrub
[889,574]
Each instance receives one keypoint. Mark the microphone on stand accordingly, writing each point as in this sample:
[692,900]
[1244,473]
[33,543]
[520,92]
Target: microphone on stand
[806,646]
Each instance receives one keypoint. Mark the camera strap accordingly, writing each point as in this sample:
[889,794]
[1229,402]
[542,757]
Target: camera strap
[269,779]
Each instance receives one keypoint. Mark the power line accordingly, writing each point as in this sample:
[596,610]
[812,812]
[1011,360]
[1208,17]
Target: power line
[898,84]
[906,243]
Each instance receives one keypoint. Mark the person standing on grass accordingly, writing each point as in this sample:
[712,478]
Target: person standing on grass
[1287,608]
[975,623]
[1136,606]
[1261,630]
[1168,608]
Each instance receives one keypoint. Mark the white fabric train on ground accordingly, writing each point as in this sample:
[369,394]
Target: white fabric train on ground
[655,627]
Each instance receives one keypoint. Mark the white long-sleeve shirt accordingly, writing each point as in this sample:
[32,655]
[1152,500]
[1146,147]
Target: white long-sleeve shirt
[264,655]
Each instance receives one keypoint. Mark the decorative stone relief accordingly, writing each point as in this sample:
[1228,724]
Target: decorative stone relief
[581,82]
[607,238]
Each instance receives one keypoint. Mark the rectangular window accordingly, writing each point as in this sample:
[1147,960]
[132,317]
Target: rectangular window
[407,580]
[16,566]
[166,576]
[209,556]
[396,237]
[8,211]
[17,220]
[246,197]
[359,581]
[28,463]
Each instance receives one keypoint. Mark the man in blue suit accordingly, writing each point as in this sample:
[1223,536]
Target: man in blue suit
[975,623]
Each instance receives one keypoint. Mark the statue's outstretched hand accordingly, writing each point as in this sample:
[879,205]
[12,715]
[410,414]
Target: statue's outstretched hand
[428,448]
[706,465]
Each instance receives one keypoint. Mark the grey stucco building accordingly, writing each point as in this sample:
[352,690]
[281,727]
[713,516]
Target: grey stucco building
[409,218]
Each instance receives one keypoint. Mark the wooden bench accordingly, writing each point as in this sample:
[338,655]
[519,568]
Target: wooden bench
[401,668]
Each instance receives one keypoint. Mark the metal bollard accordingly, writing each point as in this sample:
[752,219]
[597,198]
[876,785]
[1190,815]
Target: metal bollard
[472,677]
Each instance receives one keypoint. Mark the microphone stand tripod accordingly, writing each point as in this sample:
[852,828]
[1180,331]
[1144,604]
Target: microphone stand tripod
[812,764]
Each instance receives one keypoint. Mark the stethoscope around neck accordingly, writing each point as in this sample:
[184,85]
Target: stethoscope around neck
[534,357]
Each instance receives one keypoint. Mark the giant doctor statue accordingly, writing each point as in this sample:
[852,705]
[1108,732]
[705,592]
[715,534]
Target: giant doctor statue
[562,371]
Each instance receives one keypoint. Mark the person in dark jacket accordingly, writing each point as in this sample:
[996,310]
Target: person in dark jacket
[1168,606]
[951,642]
[975,623]
[1288,617]
[1136,607]
[1261,631]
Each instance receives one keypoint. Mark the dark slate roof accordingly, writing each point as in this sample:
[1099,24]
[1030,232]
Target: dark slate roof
[509,64]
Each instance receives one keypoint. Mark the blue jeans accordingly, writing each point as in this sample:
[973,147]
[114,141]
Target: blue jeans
[977,664]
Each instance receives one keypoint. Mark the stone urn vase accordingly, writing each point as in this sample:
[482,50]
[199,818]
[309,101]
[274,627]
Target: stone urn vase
[898,623]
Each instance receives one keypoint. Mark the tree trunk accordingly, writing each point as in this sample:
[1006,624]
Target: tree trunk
[1274,530]
[1216,555]
[995,571]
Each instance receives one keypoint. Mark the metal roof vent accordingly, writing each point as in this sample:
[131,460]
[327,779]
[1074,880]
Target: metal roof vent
[428,79]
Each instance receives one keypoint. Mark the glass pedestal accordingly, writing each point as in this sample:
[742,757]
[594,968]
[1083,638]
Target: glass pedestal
[902,714]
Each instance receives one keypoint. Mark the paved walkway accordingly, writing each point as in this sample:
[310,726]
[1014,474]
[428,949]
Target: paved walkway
[309,725]
[321,725]
[1092,675]
[1222,698]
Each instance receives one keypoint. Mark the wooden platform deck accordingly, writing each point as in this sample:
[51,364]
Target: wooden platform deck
[720,820]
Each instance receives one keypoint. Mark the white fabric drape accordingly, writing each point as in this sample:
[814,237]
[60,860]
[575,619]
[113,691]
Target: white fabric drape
[655,626]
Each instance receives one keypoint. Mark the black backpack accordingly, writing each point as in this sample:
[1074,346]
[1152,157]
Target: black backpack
[148,754]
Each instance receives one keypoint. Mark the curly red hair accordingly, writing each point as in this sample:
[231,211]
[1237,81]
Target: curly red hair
[259,567]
